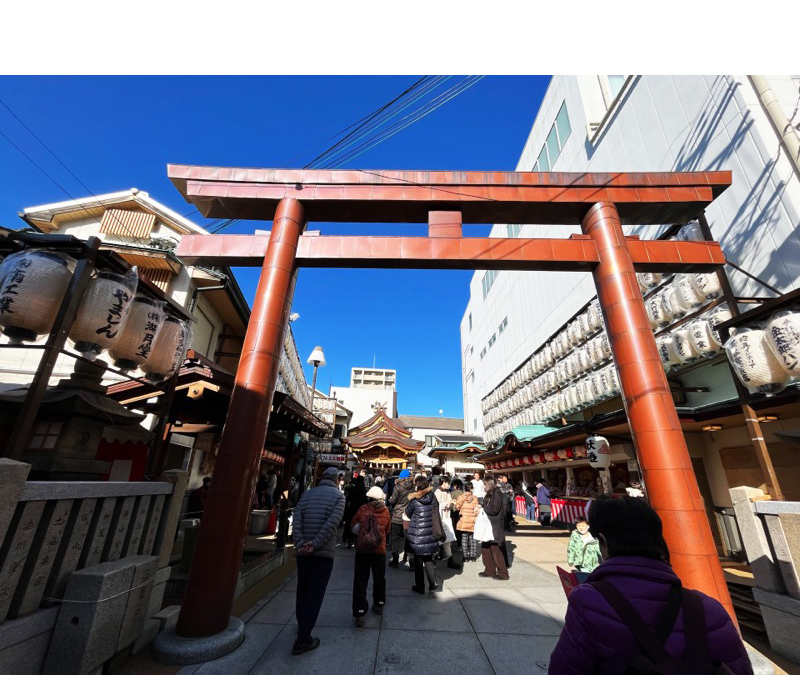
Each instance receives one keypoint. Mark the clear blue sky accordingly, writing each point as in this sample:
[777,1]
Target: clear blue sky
[120,132]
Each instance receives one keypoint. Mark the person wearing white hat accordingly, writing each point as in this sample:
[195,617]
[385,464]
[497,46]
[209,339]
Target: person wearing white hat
[371,523]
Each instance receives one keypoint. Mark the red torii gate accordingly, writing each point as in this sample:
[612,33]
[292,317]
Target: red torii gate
[601,203]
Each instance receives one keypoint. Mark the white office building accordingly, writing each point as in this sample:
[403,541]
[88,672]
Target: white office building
[637,124]
[369,390]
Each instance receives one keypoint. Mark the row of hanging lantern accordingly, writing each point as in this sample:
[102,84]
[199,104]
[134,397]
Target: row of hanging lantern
[574,452]
[766,355]
[134,329]
[546,385]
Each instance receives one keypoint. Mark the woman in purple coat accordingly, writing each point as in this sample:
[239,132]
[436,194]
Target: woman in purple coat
[596,640]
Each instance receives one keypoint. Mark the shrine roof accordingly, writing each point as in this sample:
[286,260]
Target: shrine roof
[381,430]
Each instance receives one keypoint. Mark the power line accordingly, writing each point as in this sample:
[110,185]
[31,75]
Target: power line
[425,90]
[412,117]
[71,173]
[367,121]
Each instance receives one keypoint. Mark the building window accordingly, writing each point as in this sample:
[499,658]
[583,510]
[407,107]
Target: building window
[430,441]
[45,435]
[483,353]
[470,320]
[556,139]
[492,340]
[475,424]
[503,325]
[488,280]
[514,230]
[611,85]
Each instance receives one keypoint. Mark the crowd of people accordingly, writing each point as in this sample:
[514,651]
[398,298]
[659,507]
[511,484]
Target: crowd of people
[629,614]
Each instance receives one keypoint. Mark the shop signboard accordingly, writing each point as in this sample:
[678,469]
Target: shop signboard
[598,452]
[327,458]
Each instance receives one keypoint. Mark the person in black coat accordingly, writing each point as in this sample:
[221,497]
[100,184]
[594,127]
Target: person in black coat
[494,563]
[355,498]
[420,536]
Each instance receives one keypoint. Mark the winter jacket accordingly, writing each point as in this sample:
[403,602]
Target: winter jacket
[507,490]
[316,518]
[585,556]
[397,504]
[467,505]
[543,496]
[494,505]
[383,518]
[595,640]
[420,529]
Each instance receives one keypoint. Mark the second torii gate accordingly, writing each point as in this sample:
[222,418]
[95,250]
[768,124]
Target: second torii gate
[600,203]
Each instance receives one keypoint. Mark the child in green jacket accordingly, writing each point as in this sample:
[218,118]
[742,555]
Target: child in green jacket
[583,551]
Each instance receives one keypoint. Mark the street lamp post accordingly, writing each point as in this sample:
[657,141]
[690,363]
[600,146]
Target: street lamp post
[316,359]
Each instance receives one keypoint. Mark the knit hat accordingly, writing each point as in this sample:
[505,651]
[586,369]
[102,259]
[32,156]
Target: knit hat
[376,493]
[405,473]
[331,473]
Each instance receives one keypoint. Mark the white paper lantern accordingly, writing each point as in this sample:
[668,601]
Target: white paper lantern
[783,335]
[595,315]
[703,339]
[586,329]
[657,312]
[135,343]
[672,306]
[706,284]
[684,348]
[649,279]
[584,360]
[685,293]
[31,291]
[169,350]
[716,316]
[103,311]
[598,451]
[666,352]
[755,364]
[690,232]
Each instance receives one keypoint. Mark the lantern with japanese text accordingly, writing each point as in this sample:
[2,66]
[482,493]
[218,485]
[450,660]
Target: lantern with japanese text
[755,363]
[135,343]
[169,350]
[783,338]
[703,339]
[103,312]
[32,285]
[549,456]
[598,452]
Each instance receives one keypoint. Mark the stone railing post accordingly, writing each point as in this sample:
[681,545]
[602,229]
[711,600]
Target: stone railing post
[755,540]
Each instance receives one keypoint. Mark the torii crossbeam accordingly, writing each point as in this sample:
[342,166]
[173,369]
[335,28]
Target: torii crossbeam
[600,203]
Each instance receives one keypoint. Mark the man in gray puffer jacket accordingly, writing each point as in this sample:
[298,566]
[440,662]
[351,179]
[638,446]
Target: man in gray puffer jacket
[316,519]
[397,505]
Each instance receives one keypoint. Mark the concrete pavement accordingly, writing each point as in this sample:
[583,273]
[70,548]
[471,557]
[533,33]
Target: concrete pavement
[484,625]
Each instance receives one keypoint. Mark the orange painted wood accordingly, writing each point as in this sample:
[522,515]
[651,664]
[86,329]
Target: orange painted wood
[574,254]
[481,197]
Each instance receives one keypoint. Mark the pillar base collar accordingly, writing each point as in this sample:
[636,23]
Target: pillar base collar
[173,650]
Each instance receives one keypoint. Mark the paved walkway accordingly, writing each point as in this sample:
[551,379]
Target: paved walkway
[489,626]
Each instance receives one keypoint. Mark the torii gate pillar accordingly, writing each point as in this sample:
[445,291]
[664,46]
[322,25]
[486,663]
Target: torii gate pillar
[656,430]
[211,588]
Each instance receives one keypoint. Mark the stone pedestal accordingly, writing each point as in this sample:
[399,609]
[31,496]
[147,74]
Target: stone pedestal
[781,616]
[107,614]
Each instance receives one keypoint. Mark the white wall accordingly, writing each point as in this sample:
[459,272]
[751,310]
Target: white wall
[360,401]
[662,123]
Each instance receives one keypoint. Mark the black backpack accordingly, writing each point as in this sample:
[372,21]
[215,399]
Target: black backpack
[654,660]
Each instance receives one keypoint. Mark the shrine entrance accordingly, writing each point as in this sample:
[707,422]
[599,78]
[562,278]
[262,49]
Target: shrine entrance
[600,203]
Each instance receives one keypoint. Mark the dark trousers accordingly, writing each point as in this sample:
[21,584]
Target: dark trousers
[424,567]
[313,574]
[366,563]
[398,539]
[493,561]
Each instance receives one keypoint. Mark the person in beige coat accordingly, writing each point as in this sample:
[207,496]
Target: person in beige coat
[467,505]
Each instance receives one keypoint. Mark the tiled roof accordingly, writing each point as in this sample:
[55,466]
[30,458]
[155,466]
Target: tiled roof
[441,423]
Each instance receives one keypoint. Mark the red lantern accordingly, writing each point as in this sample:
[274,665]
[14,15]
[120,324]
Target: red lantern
[569,453]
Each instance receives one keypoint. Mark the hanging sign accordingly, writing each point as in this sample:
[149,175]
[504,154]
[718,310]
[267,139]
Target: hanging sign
[326,458]
[598,451]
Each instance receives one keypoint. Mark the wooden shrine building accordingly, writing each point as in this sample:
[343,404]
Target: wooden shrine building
[383,442]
